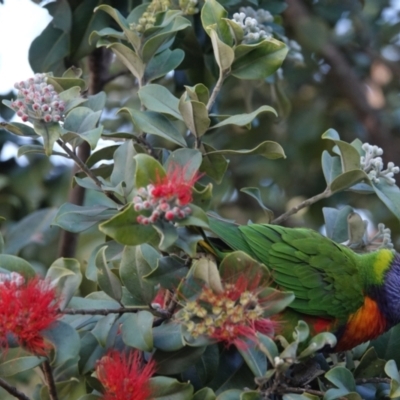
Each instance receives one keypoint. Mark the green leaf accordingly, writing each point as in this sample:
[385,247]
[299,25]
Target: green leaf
[389,195]
[349,155]
[198,92]
[387,346]
[136,263]
[195,115]
[124,167]
[162,36]
[15,264]
[72,98]
[196,218]
[125,230]
[268,149]
[168,388]
[254,358]
[233,394]
[255,193]
[370,365]
[268,347]
[34,228]
[108,282]
[48,51]
[318,342]
[131,35]
[343,379]
[162,63]
[168,273]
[50,133]
[156,124]
[76,219]
[81,120]
[336,223]
[65,83]
[137,330]
[31,149]
[393,372]
[148,170]
[189,159]
[103,327]
[347,179]
[204,394]
[17,128]
[17,365]
[65,340]
[158,98]
[168,234]
[258,61]
[168,337]
[175,362]
[129,58]
[224,54]
[214,165]
[65,273]
[212,16]
[245,119]
[206,270]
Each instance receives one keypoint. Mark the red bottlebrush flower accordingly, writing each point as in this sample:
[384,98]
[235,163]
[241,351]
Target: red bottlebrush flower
[26,309]
[231,316]
[175,184]
[124,377]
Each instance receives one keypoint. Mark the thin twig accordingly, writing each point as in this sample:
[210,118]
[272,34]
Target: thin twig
[361,381]
[110,78]
[84,168]
[303,204]
[48,375]
[216,90]
[103,311]
[13,390]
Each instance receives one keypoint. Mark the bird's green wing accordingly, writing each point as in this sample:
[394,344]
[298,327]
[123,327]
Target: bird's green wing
[323,275]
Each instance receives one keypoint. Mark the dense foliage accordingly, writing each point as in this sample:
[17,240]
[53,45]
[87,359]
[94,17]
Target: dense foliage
[172,112]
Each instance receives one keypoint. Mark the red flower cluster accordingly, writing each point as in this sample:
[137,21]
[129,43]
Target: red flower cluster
[232,316]
[168,197]
[26,309]
[124,377]
[175,185]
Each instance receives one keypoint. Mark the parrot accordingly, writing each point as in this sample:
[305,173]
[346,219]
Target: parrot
[355,296]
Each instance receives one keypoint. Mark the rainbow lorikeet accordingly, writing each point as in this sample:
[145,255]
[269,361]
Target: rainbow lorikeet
[355,296]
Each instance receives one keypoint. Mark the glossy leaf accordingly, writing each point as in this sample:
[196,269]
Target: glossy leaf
[255,193]
[245,119]
[158,98]
[106,279]
[137,330]
[65,340]
[136,263]
[125,230]
[171,389]
[156,124]
[224,54]
[214,164]
[75,218]
[343,379]
[50,133]
[15,264]
[195,115]
[168,337]
[124,167]
[258,61]
[254,358]
[212,16]
[20,364]
[389,195]
[162,63]
[268,149]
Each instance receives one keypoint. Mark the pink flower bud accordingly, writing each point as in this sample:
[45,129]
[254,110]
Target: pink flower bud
[20,113]
[164,207]
[145,221]
[169,215]
[45,108]
[56,118]
[139,219]
[55,105]
[47,118]
[138,207]
[25,118]
[61,106]
[146,205]
[35,106]
[137,199]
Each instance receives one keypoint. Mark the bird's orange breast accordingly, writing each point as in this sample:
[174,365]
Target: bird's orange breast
[365,324]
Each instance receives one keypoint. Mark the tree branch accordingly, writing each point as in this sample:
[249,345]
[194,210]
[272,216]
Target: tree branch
[48,375]
[103,311]
[13,390]
[303,204]
[216,90]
